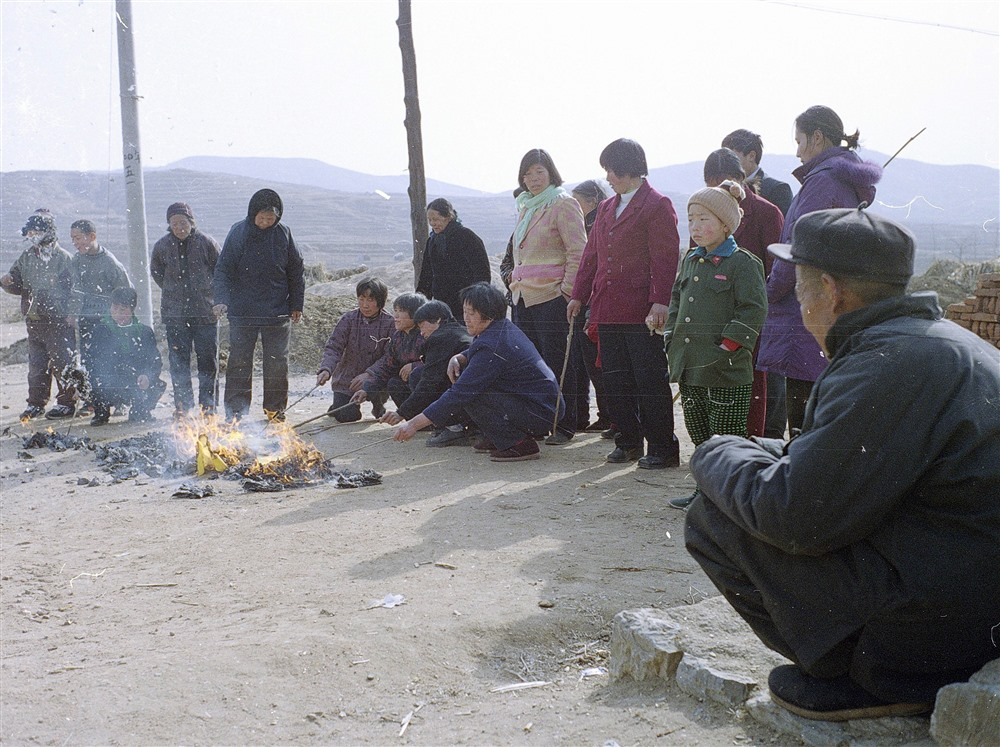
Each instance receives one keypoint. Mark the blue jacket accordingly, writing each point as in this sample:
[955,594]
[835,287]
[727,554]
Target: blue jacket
[259,275]
[501,359]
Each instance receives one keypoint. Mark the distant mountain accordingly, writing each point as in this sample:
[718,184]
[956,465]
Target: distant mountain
[334,228]
[951,209]
[911,192]
[309,171]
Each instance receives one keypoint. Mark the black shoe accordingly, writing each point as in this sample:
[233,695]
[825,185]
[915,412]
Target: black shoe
[378,410]
[622,456]
[140,416]
[609,434]
[659,461]
[684,501]
[446,437]
[835,699]
[33,411]
[598,425]
[100,418]
[60,412]
[558,438]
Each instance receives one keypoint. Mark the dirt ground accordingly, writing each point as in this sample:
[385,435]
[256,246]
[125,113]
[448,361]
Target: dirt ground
[131,617]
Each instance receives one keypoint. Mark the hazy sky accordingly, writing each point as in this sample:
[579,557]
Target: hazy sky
[322,79]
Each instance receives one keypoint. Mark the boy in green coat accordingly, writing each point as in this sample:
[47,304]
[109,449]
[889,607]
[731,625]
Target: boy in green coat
[717,309]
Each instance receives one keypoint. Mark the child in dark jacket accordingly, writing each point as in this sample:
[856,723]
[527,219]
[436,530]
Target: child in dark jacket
[357,342]
[390,373]
[444,337]
[127,363]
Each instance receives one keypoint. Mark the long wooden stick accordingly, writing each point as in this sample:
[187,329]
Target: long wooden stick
[904,145]
[325,414]
[562,376]
[373,443]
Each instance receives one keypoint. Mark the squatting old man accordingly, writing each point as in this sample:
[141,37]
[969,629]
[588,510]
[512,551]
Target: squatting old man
[867,549]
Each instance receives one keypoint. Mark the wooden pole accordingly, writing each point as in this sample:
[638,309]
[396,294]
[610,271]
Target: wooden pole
[135,197]
[414,139]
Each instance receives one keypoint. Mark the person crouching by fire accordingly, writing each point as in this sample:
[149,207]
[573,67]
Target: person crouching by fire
[500,382]
[43,277]
[127,363]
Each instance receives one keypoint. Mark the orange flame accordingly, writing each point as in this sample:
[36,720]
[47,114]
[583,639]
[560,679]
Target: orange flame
[277,452]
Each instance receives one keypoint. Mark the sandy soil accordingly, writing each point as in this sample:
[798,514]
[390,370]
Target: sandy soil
[131,617]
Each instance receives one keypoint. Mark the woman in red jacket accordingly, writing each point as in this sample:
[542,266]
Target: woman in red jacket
[626,276]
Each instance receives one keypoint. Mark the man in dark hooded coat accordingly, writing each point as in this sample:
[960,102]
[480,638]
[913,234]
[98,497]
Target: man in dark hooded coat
[259,283]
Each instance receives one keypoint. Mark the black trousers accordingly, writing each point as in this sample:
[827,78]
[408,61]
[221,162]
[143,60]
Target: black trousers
[546,326]
[634,370]
[239,373]
[507,419]
[841,613]
[183,336]
[51,347]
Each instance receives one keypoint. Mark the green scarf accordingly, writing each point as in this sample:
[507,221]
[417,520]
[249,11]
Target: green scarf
[529,204]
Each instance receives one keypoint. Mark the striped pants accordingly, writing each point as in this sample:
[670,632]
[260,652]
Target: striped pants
[715,410]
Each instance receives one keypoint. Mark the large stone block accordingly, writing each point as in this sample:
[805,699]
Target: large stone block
[644,645]
[968,713]
[702,679]
[713,654]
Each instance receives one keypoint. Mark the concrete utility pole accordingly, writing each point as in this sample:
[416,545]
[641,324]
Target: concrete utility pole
[414,139]
[135,196]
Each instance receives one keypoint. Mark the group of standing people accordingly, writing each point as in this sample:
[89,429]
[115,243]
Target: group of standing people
[257,278]
[78,310]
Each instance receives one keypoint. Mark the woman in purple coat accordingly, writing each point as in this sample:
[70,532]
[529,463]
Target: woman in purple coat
[832,176]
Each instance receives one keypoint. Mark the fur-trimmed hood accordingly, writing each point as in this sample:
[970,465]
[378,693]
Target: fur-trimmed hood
[846,167]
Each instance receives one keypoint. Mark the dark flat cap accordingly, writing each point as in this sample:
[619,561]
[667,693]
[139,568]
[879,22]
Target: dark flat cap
[852,243]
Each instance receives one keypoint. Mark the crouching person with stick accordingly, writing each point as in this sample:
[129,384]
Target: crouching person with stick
[500,382]
[865,549]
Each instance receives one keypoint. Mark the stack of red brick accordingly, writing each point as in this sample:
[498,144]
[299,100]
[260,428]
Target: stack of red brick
[980,313]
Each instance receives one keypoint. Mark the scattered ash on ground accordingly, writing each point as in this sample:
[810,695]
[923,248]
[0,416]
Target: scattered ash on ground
[362,479]
[194,490]
[152,454]
[56,441]
[289,476]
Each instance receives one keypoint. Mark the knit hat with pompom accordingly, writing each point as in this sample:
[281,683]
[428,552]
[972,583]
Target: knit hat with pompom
[722,202]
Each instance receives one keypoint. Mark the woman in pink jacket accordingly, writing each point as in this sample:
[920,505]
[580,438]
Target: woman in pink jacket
[548,243]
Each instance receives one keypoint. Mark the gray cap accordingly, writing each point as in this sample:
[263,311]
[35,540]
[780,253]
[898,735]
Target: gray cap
[852,243]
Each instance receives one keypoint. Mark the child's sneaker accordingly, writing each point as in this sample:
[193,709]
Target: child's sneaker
[60,411]
[33,411]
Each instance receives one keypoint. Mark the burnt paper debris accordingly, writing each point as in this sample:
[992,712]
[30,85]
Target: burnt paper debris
[362,479]
[151,454]
[194,490]
[50,439]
